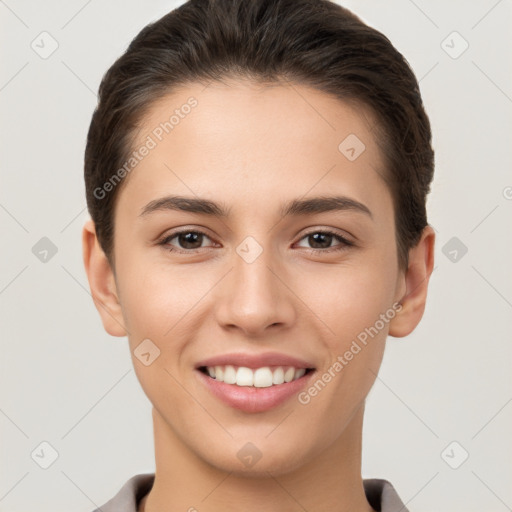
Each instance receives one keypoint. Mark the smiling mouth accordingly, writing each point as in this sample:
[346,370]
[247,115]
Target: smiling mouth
[264,377]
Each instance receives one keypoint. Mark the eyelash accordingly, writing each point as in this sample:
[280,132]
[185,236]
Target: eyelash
[345,243]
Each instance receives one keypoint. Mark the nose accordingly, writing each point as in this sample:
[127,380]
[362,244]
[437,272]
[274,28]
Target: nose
[255,296]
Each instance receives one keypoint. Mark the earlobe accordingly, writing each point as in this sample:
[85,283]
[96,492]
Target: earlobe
[102,282]
[417,276]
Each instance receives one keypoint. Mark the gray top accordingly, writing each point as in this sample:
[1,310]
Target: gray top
[381,495]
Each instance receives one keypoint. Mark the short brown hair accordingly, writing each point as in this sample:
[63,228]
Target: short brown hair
[311,42]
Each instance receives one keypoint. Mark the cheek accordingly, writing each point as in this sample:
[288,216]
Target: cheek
[348,299]
[158,306]
[156,297]
[165,305]
[351,305]
[354,306]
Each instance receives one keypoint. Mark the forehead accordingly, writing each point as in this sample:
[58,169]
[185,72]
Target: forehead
[237,109]
[244,140]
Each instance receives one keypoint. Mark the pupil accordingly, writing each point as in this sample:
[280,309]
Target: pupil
[187,240]
[316,236]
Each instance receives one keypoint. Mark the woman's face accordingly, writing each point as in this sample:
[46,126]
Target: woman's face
[260,279]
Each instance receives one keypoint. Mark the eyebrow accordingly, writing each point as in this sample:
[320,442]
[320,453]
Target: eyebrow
[295,207]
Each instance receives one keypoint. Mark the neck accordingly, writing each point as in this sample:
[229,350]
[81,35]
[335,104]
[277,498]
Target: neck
[330,482]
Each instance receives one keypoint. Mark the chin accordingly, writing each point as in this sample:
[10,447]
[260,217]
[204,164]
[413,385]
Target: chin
[251,462]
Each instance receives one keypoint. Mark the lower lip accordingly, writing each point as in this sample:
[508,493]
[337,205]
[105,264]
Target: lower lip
[251,399]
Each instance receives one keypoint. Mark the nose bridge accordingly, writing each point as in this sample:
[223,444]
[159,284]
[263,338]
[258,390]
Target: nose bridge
[252,296]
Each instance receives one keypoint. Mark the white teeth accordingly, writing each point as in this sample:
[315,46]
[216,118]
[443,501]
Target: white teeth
[260,378]
[244,377]
[219,373]
[299,373]
[229,374]
[289,374]
[278,376]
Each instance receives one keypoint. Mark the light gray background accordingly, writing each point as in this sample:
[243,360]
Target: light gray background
[65,381]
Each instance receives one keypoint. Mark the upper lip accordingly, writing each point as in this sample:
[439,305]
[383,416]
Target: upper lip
[255,360]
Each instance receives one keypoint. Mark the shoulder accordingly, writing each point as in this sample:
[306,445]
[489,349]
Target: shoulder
[130,494]
[382,496]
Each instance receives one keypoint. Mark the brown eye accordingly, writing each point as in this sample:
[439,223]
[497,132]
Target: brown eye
[187,240]
[321,241]
[190,240]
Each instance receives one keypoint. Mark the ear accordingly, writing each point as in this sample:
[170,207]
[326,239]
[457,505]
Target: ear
[416,279]
[102,282]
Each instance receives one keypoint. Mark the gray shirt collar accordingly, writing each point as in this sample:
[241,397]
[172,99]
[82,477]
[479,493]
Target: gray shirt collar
[380,494]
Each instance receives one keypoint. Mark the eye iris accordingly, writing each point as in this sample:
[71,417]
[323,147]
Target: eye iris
[316,236]
[187,240]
